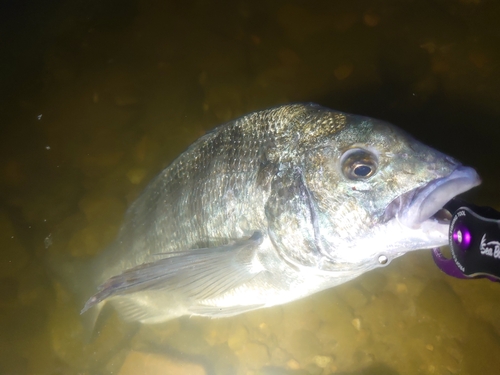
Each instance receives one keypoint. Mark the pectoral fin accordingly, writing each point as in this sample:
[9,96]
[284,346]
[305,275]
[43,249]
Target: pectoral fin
[195,275]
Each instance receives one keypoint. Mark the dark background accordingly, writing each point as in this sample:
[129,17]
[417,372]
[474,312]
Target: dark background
[97,96]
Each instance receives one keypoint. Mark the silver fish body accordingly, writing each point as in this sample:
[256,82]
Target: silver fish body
[272,207]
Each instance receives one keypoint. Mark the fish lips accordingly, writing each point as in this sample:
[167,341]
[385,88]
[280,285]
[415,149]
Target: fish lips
[420,204]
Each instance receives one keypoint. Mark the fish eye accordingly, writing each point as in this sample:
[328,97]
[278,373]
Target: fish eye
[358,164]
[362,170]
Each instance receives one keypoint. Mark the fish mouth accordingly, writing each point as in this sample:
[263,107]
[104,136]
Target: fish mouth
[426,202]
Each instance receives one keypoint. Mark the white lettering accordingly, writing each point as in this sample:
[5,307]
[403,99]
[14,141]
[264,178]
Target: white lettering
[491,248]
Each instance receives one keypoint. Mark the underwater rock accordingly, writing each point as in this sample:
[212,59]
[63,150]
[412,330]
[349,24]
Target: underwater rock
[442,304]
[253,355]
[155,364]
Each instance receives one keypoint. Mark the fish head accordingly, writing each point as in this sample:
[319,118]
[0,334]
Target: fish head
[376,194]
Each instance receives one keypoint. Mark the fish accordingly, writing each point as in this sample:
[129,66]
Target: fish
[273,207]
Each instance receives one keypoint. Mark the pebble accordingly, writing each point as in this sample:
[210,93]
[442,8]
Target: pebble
[238,338]
[90,240]
[401,288]
[303,345]
[330,308]
[155,364]
[125,100]
[300,315]
[440,66]
[342,72]
[216,331]
[147,150]
[313,369]
[222,360]
[279,357]
[253,355]
[442,304]
[136,175]
[100,162]
[371,19]
[479,59]
[322,361]
[64,327]
[356,323]
[271,317]
[353,296]
[101,208]
[481,348]
[189,339]
[413,286]
[115,363]
[103,216]
[292,364]
[373,281]
[155,333]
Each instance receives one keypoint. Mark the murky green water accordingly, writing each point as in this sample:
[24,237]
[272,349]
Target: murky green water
[98,96]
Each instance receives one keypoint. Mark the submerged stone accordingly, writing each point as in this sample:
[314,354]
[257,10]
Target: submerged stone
[155,364]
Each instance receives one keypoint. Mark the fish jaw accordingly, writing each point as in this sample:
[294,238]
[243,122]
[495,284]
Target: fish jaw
[419,206]
[409,223]
[411,220]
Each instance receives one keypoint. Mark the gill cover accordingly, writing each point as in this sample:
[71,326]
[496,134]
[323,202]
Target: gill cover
[293,222]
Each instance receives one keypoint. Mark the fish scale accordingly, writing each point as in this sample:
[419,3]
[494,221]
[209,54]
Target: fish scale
[272,207]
